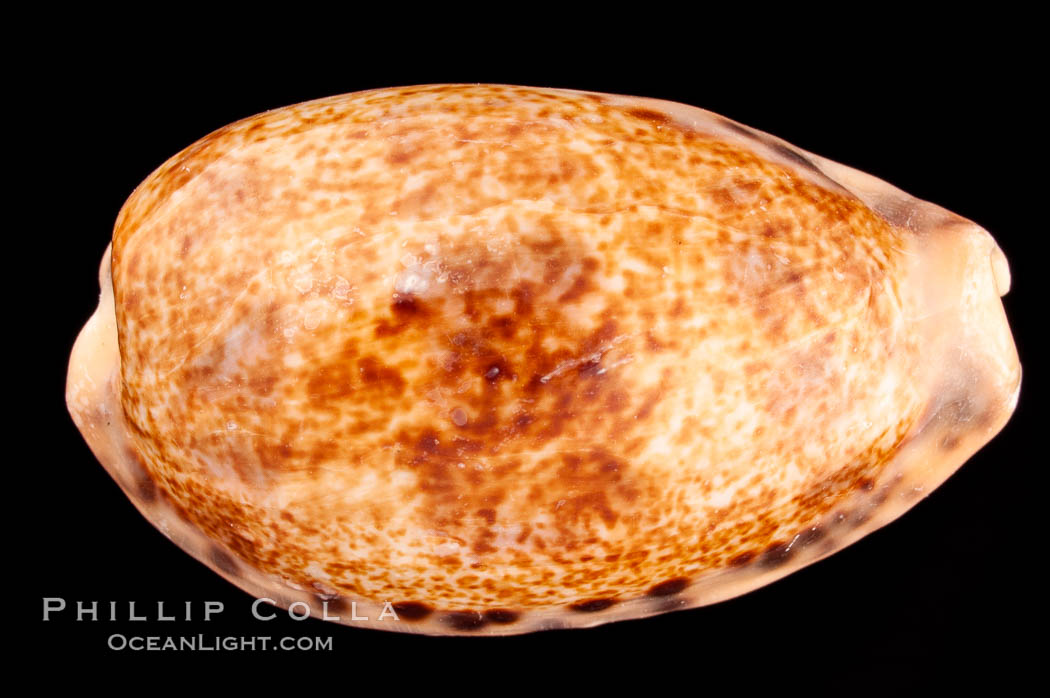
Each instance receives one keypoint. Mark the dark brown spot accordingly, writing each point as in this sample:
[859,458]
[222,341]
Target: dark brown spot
[406,305]
[146,489]
[412,610]
[737,128]
[221,559]
[791,155]
[742,559]
[655,117]
[464,620]
[144,486]
[523,420]
[671,586]
[593,605]
[809,536]
[777,555]
[502,616]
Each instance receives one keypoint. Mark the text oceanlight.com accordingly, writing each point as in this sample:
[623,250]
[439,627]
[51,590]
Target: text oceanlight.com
[216,643]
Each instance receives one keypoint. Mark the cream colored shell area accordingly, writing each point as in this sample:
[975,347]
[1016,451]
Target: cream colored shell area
[923,349]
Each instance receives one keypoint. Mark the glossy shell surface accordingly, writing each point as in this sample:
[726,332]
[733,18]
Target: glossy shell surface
[504,359]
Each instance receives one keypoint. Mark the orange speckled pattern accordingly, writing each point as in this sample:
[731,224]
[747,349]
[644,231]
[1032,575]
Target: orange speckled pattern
[512,358]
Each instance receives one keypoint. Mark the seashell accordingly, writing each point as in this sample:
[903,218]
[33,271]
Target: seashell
[500,359]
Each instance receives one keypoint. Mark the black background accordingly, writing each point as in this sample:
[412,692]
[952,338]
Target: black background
[954,121]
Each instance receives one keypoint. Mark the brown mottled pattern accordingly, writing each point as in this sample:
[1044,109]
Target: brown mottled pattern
[485,349]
